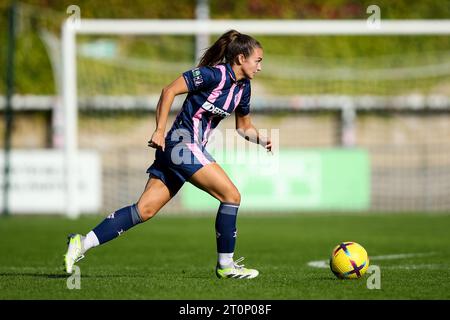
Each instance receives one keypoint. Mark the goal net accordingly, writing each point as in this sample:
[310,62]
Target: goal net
[325,85]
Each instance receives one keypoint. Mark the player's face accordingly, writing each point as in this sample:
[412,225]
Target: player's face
[251,65]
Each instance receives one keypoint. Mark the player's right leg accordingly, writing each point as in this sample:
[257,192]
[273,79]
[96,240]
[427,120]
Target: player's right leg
[154,197]
[214,180]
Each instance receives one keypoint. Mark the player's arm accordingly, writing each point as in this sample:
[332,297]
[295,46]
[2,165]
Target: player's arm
[247,130]
[168,94]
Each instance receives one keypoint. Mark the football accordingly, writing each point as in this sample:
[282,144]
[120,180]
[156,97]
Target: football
[349,260]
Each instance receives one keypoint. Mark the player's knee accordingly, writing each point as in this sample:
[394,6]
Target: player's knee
[147,211]
[232,196]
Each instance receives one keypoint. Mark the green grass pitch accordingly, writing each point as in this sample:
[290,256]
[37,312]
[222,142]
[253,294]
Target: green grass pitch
[173,257]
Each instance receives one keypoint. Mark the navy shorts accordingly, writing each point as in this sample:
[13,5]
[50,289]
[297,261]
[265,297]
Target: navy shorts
[177,163]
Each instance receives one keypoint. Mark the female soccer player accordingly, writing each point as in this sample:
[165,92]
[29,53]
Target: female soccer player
[216,88]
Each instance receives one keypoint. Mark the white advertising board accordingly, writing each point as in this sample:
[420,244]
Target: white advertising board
[38,183]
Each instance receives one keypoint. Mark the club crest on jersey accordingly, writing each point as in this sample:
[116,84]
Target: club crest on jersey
[208,106]
[197,77]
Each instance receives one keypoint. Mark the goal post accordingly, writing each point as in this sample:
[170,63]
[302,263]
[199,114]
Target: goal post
[71,29]
[268,27]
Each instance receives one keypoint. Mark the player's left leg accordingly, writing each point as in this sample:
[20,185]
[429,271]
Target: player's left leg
[154,197]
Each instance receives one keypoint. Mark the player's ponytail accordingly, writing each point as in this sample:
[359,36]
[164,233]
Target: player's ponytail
[228,47]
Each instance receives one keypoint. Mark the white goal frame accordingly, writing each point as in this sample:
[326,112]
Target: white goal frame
[71,28]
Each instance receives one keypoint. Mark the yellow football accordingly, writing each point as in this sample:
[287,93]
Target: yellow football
[349,260]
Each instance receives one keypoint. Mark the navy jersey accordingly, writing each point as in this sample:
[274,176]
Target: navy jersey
[213,95]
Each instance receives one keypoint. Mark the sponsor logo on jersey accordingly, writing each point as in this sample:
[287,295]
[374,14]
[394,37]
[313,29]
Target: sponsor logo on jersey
[197,77]
[208,106]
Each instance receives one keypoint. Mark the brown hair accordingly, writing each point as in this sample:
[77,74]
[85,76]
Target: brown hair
[228,47]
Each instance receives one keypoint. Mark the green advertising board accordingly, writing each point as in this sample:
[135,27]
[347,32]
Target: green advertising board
[312,179]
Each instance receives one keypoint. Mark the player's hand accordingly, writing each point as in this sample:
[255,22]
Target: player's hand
[157,141]
[266,143]
[269,147]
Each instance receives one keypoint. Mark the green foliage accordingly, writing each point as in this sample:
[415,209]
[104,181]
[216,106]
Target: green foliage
[33,68]
[327,9]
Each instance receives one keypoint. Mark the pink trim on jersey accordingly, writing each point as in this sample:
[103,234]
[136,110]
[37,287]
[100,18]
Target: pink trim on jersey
[226,106]
[208,128]
[218,90]
[196,123]
[238,97]
[198,153]
[211,99]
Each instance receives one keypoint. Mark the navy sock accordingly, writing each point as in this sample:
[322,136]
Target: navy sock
[117,223]
[226,227]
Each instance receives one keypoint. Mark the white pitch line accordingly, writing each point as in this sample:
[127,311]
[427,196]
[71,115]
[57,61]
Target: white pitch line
[419,266]
[319,264]
[325,263]
[401,256]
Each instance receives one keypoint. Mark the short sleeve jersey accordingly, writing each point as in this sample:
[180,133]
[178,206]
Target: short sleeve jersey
[213,95]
